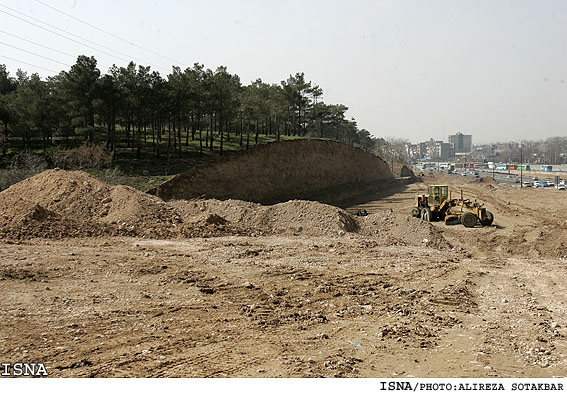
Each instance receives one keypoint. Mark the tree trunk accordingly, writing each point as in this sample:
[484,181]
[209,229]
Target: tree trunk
[168,136]
[248,136]
[108,133]
[221,136]
[212,132]
[113,139]
[193,127]
[227,128]
[207,135]
[241,130]
[257,131]
[200,142]
[138,141]
[174,132]
[153,125]
[127,132]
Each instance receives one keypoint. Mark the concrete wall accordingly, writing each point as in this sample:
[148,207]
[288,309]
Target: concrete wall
[321,170]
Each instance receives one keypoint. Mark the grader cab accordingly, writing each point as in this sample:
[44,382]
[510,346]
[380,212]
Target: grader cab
[438,204]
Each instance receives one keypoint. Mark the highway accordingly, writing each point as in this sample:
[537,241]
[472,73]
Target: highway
[504,177]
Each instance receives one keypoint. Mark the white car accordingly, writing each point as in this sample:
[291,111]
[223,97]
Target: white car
[527,184]
[561,186]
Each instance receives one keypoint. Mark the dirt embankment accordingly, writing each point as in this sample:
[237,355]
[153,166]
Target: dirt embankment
[325,171]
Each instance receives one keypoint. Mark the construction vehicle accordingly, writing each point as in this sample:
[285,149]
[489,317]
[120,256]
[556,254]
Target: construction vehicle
[438,204]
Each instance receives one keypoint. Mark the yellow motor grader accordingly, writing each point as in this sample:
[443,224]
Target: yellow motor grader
[438,204]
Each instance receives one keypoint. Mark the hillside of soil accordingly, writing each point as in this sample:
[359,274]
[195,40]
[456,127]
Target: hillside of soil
[307,169]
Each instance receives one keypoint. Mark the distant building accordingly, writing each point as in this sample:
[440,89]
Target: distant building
[445,150]
[438,150]
[422,149]
[462,143]
[433,150]
[412,151]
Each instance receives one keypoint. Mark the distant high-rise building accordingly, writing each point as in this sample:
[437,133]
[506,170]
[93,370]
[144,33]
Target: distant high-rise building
[462,142]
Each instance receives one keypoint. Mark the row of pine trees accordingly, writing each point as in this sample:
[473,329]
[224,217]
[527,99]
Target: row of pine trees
[138,109]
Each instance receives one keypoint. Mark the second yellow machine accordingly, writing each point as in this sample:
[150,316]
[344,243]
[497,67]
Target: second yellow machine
[438,204]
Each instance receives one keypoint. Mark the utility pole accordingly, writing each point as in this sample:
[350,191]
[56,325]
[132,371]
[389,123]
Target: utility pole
[441,146]
[521,166]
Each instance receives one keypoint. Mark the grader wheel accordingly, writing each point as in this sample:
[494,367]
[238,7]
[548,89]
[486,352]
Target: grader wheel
[489,219]
[469,219]
[426,214]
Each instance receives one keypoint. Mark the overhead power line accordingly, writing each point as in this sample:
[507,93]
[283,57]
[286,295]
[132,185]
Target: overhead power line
[73,35]
[61,35]
[29,64]
[35,54]
[36,43]
[111,34]
[45,46]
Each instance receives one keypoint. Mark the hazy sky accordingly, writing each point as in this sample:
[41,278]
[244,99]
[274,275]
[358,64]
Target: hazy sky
[495,69]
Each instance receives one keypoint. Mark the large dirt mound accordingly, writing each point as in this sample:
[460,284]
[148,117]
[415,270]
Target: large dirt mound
[309,217]
[296,216]
[392,228]
[72,193]
[21,218]
[58,203]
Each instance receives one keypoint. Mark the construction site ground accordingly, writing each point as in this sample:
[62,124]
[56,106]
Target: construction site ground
[300,289]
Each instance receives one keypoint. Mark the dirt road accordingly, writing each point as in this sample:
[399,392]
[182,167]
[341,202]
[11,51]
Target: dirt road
[388,296]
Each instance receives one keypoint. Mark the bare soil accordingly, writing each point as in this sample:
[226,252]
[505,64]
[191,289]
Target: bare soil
[101,280]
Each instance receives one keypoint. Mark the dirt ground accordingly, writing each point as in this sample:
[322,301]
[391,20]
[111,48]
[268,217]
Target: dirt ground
[300,289]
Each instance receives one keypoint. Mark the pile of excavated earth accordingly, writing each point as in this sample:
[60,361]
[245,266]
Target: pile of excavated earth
[62,204]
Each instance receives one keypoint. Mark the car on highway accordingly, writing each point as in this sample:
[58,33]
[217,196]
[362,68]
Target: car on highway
[535,178]
[561,187]
[543,184]
[527,184]
[516,180]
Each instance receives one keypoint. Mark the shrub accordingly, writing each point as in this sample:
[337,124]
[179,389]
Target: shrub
[22,166]
[85,156]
